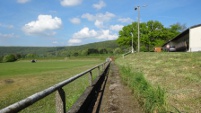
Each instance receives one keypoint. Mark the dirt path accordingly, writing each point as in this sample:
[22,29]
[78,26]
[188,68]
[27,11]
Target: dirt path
[117,98]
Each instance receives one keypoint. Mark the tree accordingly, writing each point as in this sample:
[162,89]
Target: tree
[117,51]
[9,58]
[152,34]
[125,37]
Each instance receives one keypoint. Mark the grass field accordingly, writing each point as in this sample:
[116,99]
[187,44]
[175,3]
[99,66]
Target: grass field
[179,74]
[23,78]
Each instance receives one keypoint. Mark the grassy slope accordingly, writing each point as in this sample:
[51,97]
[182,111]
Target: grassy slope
[21,79]
[178,73]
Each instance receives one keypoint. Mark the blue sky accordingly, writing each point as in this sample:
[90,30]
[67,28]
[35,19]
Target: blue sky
[78,22]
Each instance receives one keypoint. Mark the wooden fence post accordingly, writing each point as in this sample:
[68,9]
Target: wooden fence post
[99,70]
[60,101]
[90,78]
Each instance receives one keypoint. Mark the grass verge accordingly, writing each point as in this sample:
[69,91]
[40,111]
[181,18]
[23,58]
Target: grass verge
[152,99]
[178,73]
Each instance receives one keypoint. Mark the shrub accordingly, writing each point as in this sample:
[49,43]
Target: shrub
[9,58]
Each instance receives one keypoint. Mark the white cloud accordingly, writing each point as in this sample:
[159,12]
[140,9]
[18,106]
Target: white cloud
[74,41]
[23,1]
[11,35]
[6,26]
[116,27]
[99,18]
[106,35]
[125,20]
[70,2]
[98,24]
[55,42]
[75,20]
[86,33]
[43,25]
[99,5]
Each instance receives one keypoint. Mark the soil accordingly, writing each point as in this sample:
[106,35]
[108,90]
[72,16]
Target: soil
[116,97]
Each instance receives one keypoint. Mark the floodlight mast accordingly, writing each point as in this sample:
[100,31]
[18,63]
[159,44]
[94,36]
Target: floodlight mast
[132,50]
[138,9]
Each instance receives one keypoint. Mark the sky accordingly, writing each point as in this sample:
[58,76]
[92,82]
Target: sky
[52,23]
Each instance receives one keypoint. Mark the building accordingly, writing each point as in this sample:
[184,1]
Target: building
[189,40]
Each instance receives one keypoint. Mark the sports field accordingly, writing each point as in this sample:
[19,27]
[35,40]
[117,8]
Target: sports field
[21,79]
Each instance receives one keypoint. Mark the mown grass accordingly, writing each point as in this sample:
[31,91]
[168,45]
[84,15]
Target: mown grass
[21,79]
[177,73]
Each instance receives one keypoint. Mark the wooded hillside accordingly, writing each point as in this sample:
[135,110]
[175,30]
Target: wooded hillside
[106,47]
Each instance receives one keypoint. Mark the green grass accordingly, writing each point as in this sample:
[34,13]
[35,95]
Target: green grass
[21,79]
[151,98]
[177,73]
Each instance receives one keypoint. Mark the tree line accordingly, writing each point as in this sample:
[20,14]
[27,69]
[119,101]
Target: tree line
[10,54]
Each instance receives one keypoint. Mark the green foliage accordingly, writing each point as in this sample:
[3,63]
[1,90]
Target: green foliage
[30,55]
[117,51]
[9,58]
[152,34]
[152,99]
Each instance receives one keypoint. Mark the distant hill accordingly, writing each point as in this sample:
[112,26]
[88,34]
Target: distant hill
[45,50]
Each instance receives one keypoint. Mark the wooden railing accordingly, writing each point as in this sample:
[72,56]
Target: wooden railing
[60,93]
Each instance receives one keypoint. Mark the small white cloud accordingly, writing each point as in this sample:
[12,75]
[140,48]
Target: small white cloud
[11,35]
[23,1]
[116,27]
[86,33]
[68,3]
[75,20]
[6,26]
[98,24]
[106,35]
[74,41]
[55,42]
[99,5]
[99,18]
[125,20]
[42,25]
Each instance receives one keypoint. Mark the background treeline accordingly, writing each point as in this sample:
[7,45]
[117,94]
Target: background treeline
[10,54]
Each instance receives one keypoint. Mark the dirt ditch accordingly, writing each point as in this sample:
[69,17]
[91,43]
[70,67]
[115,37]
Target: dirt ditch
[117,98]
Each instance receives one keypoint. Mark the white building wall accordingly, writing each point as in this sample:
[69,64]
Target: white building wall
[195,39]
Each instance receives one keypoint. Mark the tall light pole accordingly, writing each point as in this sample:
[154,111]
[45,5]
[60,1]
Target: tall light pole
[138,9]
[132,43]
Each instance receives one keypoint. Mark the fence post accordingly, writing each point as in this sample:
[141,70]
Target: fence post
[90,78]
[99,70]
[60,101]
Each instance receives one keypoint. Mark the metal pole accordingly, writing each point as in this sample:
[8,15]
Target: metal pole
[138,8]
[132,43]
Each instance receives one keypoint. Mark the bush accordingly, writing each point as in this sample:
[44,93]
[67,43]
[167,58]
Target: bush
[9,58]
